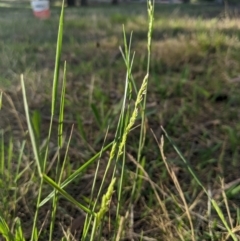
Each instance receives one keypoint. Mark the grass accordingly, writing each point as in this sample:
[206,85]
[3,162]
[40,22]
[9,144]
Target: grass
[94,135]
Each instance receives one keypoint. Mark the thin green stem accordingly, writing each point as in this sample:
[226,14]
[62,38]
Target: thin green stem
[150,7]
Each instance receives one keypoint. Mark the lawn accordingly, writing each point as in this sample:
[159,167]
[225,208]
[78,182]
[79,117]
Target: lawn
[193,93]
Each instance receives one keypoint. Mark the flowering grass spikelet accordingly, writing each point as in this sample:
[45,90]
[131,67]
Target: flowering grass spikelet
[134,115]
[105,202]
[151,20]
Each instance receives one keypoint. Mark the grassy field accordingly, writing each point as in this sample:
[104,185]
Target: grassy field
[193,93]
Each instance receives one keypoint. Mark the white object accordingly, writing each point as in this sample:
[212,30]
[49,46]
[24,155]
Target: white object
[41,8]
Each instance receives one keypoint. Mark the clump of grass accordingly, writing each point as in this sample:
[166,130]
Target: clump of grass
[121,191]
[126,123]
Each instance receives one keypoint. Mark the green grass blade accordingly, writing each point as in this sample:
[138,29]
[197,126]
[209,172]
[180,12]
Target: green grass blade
[55,78]
[30,128]
[36,155]
[93,203]
[36,121]
[54,95]
[61,114]
[65,158]
[76,173]
[60,144]
[57,59]
[125,114]
[221,216]
[5,231]
[232,192]
[65,194]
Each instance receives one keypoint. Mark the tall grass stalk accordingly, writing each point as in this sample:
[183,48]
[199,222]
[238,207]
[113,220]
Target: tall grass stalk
[59,169]
[125,111]
[89,218]
[34,235]
[103,209]
[41,164]
[150,9]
